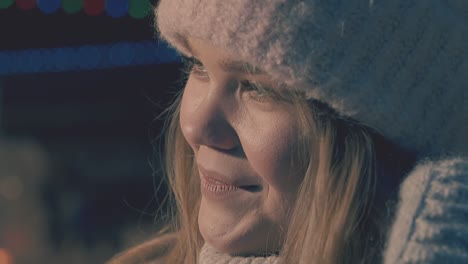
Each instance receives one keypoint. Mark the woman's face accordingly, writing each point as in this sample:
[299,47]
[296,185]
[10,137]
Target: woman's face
[243,140]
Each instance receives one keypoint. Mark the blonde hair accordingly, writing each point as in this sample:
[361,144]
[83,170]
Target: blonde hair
[338,217]
[334,202]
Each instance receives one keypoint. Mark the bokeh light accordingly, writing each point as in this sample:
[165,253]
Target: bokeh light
[26,4]
[116,8]
[77,97]
[139,8]
[86,57]
[48,6]
[5,257]
[72,6]
[6,3]
[94,7]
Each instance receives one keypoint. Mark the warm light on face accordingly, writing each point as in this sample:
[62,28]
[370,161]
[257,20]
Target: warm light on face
[243,139]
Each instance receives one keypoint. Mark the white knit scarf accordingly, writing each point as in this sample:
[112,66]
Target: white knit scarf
[209,255]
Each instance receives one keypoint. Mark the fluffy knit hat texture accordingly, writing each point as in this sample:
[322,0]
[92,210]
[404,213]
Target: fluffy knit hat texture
[399,66]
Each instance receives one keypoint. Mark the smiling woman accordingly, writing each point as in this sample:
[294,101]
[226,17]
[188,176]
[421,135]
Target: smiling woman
[298,123]
[230,131]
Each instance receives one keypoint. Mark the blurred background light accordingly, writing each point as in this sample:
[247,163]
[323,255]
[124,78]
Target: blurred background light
[26,4]
[72,6]
[116,8]
[6,3]
[79,176]
[5,257]
[11,187]
[139,8]
[48,6]
[94,7]
[87,57]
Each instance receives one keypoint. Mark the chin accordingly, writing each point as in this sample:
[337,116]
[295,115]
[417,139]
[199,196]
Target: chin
[251,234]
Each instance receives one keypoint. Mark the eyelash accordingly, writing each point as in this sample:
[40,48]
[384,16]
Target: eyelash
[259,93]
[196,67]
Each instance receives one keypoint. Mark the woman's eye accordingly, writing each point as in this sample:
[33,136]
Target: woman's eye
[255,91]
[195,66]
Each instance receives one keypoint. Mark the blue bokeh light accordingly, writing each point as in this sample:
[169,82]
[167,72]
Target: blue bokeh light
[86,57]
[48,6]
[116,8]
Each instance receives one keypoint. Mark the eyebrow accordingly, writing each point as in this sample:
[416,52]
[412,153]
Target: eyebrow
[231,65]
[239,66]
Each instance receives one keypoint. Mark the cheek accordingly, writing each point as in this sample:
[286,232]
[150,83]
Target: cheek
[270,148]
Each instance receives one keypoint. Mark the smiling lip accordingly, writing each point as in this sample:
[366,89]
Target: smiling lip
[218,184]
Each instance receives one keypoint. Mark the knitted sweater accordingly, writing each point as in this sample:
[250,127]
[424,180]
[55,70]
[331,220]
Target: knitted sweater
[209,255]
[431,224]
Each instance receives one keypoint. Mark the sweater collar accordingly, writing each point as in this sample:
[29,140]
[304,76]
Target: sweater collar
[209,255]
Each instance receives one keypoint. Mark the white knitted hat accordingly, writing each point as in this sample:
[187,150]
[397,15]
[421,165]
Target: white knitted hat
[400,66]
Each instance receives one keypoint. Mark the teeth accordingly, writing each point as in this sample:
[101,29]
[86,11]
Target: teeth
[220,188]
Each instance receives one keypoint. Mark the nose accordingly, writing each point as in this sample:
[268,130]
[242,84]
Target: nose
[206,123]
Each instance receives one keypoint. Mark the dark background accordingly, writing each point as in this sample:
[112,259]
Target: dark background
[79,156]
